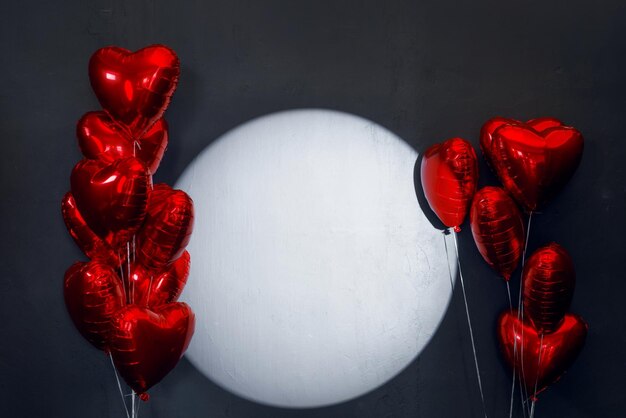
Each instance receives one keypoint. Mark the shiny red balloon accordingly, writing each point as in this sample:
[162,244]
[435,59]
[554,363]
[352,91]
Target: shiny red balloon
[487,130]
[533,166]
[100,138]
[91,244]
[498,229]
[146,344]
[111,197]
[135,88]
[167,229]
[449,174]
[93,294]
[155,289]
[548,286]
[544,362]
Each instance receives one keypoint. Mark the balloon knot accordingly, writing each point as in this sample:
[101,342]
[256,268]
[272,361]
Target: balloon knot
[457,229]
[144,397]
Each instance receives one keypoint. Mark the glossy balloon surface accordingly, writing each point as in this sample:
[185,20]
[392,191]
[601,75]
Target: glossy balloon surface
[146,344]
[449,175]
[548,285]
[135,88]
[93,294]
[498,229]
[100,138]
[544,362]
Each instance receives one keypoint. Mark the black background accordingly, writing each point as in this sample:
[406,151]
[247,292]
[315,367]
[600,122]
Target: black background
[425,69]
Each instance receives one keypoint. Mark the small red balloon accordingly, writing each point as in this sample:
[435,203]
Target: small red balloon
[449,174]
[111,197]
[546,358]
[487,130]
[533,166]
[100,138]
[167,229]
[146,344]
[91,244]
[93,294]
[498,229]
[134,88]
[155,289]
[548,287]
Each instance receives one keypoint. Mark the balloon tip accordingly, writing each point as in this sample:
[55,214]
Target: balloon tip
[144,397]
[457,229]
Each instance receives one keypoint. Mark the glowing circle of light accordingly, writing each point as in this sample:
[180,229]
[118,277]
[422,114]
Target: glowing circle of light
[315,276]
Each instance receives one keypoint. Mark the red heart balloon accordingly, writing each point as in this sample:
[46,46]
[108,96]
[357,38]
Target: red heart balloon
[544,361]
[100,138]
[449,174]
[91,244]
[487,130]
[156,289]
[533,166]
[548,285]
[147,344]
[498,229]
[93,294]
[111,197]
[134,88]
[167,229]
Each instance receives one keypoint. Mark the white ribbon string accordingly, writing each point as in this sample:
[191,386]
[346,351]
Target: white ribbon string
[469,324]
[119,385]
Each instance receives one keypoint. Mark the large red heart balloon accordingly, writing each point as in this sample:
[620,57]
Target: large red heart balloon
[100,138]
[154,289]
[167,229]
[449,174]
[93,294]
[111,197]
[147,344]
[533,166]
[134,88]
[548,286]
[489,127]
[91,244]
[498,229]
[544,361]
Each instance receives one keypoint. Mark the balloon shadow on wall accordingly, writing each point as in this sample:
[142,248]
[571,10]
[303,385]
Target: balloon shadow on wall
[421,198]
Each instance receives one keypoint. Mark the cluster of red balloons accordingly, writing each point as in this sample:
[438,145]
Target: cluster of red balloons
[124,300]
[533,161]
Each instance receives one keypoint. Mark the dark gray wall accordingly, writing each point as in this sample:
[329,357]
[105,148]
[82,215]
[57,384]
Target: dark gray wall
[426,69]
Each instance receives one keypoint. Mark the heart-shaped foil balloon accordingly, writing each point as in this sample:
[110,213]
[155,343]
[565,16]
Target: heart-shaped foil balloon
[449,174]
[498,229]
[146,344]
[91,244]
[134,88]
[93,294]
[548,286]
[545,358]
[487,130]
[166,230]
[100,138]
[111,197]
[154,289]
[533,166]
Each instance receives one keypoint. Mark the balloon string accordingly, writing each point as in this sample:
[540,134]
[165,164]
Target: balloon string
[132,404]
[469,324]
[119,385]
[532,408]
[130,282]
[520,316]
[445,243]
[508,291]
